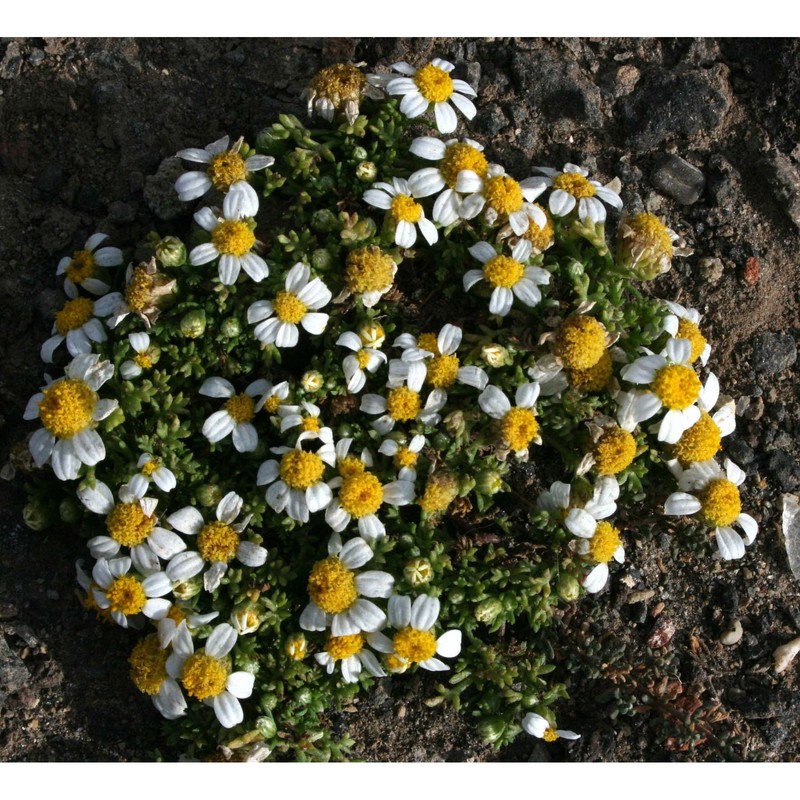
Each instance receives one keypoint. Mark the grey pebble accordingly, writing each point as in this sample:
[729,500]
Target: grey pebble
[732,634]
[678,179]
[773,352]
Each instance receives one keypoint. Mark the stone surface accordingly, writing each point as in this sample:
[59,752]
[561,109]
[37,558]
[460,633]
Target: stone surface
[14,674]
[159,190]
[773,352]
[678,179]
[785,470]
[785,183]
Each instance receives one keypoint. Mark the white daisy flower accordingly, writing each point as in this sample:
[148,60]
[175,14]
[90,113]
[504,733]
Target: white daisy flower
[538,726]
[225,168]
[454,156]
[131,523]
[414,641]
[404,211]
[290,309]
[714,497]
[297,479]
[126,595]
[674,385]
[218,543]
[582,520]
[352,654]
[274,396]
[83,268]
[232,237]
[428,85]
[604,544]
[149,674]
[79,323]
[70,409]
[507,275]
[501,198]
[206,674]
[237,415]
[368,275]
[151,469]
[133,367]
[364,358]
[571,187]
[338,592]
[305,416]
[404,455]
[177,617]
[518,424]
[684,323]
[339,87]
[145,289]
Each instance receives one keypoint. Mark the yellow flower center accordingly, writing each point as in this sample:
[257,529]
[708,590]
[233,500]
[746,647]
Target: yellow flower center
[614,451]
[81,267]
[503,271]
[67,407]
[403,404]
[272,404]
[204,676]
[580,342]
[144,360]
[700,442]
[225,169]
[310,424]
[75,314]
[150,467]
[550,734]
[300,469]
[404,209]
[232,237]
[405,458]
[176,614]
[414,645]
[604,543]
[296,647]
[721,503]
[148,665]
[503,194]
[540,238]
[289,307]
[677,386]
[350,465]
[519,428]
[650,233]
[241,408]
[440,491]
[372,335]
[126,595]
[595,378]
[434,84]
[429,342]
[362,356]
[460,156]
[339,647]
[575,184]
[218,542]
[339,83]
[443,371]
[688,330]
[139,291]
[128,524]
[368,269]
[361,494]
[331,586]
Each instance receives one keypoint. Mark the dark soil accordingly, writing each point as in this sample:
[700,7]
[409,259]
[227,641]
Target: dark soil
[85,124]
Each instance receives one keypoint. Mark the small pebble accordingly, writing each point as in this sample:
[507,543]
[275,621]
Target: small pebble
[733,634]
[678,179]
[640,597]
[784,655]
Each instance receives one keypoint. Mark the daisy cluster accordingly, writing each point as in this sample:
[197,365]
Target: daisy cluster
[295,437]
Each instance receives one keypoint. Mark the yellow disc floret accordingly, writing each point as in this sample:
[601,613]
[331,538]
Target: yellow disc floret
[310,424]
[688,330]
[721,503]
[272,404]
[540,238]
[126,595]
[405,209]
[361,494]
[362,357]
[300,469]
[81,266]
[67,407]
[443,371]
[241,408]
[414,645]
[403,404]
[350,465]
[614,451]
[429,342]
[519,428]
[368,269]
[150,467]
[550,734]
[580,342]
[700,442]
[75,314]
[148,665]
[604,543]
[677,386]
[503,194]
[458,157]
[226,169]
[289,307]
[144,360]
[339,83]
[405,458]
[595,378]
[139,291]
[129,525]
[649,233]
[176,614]
[339,647]
[503,271]
[218,542]
[441,490]
[575,184]
[204,676]
[331,586]
[232,237]
[434,84]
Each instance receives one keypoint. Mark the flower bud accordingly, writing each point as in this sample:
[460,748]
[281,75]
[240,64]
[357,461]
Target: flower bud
[36,516]
[296,647]
[189,588]
[488,610]
[372,335]
[455,424]
[193,323]
[367,171]
[645,246]
[245,620]
[324,221]
[418,571]
[495,355]
[70,511]
[171,251]
[209,494]
[568,587]
[489,482]
[321,259]
[492,730]
[267,727]
[231,327]
[360,153]
[312,381]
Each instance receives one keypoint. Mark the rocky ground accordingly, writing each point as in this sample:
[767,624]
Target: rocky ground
[674,661]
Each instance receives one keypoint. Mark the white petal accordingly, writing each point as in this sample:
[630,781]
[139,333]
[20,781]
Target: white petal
[424,612]
[494,402]
[596,579]
[240,684]
[188,520]
[682,504]
[399,611]
[228,710]
[449,644]
[731,545]
[446,119]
